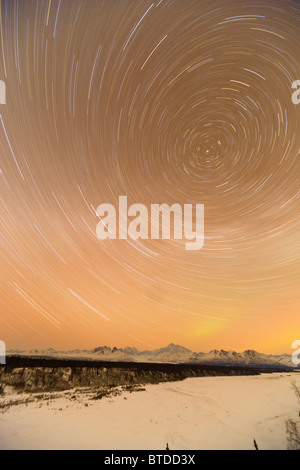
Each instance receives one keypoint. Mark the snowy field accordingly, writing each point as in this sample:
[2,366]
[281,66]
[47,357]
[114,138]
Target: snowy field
[196,414]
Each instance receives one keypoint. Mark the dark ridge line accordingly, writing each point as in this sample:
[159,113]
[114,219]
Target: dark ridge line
[13,362]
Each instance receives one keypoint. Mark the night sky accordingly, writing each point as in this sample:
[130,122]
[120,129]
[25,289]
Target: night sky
[171,101]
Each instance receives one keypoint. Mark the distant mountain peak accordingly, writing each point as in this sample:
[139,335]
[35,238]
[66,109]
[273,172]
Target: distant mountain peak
[173,353]
[251,353]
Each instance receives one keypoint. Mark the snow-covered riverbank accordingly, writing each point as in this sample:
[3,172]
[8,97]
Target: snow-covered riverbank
[198,413]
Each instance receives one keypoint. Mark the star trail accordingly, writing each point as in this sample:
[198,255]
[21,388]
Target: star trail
[168,101]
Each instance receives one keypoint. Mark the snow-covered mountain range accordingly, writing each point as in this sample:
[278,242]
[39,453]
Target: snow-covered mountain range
[171,354]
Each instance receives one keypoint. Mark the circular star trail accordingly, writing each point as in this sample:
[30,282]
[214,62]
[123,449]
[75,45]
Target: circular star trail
[165,102]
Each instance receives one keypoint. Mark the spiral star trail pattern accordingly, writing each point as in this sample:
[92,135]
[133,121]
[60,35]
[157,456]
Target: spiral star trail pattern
[166,101]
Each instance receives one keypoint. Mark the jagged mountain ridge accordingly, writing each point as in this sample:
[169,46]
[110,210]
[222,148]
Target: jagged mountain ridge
[170,354]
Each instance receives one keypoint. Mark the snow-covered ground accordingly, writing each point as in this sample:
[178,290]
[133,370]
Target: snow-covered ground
[198,413]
